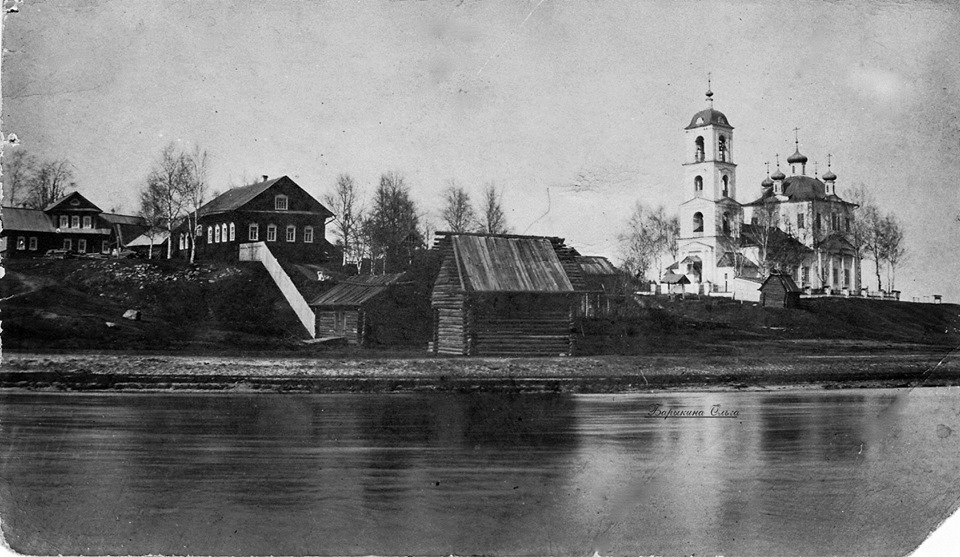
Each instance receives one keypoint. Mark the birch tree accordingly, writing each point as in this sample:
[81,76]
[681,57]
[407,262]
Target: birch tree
[457,211]
[392,226]
[194,194]
[344,202]
[165,189]
[493,219]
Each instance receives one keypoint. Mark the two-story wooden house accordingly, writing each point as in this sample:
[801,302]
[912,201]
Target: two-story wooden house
[278,212]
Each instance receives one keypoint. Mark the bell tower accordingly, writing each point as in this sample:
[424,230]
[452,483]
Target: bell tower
[710,216]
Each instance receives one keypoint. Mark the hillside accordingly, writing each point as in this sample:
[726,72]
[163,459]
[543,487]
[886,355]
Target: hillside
[67,305]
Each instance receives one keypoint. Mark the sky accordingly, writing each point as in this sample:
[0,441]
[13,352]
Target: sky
[575,109]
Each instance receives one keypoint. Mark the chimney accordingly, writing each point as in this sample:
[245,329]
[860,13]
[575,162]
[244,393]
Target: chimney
[264,176]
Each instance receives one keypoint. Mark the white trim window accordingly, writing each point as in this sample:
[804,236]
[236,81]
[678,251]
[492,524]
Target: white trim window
[33,243]
[68,244]
[64,221]
[75,221]
[233,232]
[253,232]
[82,245]
[183,241]
[209,234]
[223,232]
[216,233]
[291,233]
[199,230]
[281,203]
[88,221]
[308,234]
[271,233]
[105,246]
[21,243]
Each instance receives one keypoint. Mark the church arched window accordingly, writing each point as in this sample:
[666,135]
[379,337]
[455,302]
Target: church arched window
[698,222]
[698,184]
[698,155]
[726,222]
[726,185]
[722,147]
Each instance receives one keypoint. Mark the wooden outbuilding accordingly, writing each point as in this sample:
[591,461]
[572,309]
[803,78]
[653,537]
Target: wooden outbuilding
[601,280]
[504,295]
[370,309]
[779,291]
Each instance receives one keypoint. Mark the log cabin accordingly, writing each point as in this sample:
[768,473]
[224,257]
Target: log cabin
[369,309]
[504,295]
[780,291]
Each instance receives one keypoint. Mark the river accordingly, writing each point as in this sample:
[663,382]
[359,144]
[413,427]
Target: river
[794,472]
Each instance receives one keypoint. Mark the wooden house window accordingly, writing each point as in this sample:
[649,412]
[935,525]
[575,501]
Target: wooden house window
[33,243]
[253,232]
[87,222]
[183,241]
[223,232]
[199,231]
[64,221]
[209,234]
[233,232]
[75,221]
[21,243]
[280,203]
[82,245]
[271,233]
[308,234]
[105,247]
[216,233]
[291,233]
[68,244]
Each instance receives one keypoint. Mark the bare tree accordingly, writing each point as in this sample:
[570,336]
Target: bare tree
[763,227]
[649,235]
[150,213]
[870,228]
[494,221]
[195,190]
[894,251]
[49,182]
[165,189]
[861,229]
[18,171]
[458,213]
[344,202]
[392,226]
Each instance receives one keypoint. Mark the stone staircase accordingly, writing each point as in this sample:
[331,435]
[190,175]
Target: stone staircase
[258,251]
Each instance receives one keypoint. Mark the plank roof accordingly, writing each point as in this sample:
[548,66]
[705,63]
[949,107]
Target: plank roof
[356,291]
[235,198]
[509,264]
[595,265]
[26,220]
[785,281]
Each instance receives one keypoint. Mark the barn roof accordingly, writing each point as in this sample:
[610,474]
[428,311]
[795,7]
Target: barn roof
[26,220]
[595,265]
[356,291]
[123,219]
[489,263]
[786,281]
[144,240]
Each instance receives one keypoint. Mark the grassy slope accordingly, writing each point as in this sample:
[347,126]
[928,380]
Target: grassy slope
[64,304]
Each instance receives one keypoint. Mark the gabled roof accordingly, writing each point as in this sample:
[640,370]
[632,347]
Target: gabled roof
[144,240]
[750,232]
[595,265]
[235,198]
[837,242]
[731,259]
[509,263]
[674,278]
[786,281]
[26,220]
[82,203]
[691,259]
[356,291]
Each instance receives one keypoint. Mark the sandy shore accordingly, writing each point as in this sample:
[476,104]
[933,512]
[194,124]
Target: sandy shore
[802,367]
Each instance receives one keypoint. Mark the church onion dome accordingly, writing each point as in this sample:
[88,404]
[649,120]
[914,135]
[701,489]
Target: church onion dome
[778,175]
[804,188]
[829,176]
[796,157]
[767,182]
[707,117]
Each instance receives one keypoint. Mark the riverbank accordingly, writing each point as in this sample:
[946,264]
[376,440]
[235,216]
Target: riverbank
[794,364]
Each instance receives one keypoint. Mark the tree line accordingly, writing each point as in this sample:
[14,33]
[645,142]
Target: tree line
[391,228]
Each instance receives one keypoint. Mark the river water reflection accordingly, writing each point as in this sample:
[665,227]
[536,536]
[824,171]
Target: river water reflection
[794,473]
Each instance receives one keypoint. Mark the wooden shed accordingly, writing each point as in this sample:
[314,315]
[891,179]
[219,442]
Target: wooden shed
[369,309]
[601,279]
[504,295]
[779,291]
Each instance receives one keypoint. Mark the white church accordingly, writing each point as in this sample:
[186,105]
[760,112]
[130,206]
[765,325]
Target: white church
[795,225]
